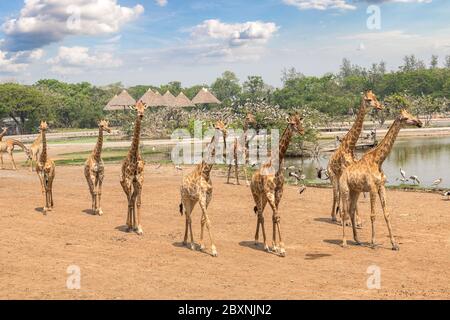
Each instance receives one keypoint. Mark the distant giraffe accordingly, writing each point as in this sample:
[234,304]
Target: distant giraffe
[35,150]
[237,148]
[94,169]
[366,175]
[344,154]
[197,187]
[45,169]
[267,186]
[8,147]
[132,177]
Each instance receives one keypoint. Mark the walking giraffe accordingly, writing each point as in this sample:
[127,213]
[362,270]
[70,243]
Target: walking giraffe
[94,169]
[197,187]
[267,186]
[45,169]
[132,177]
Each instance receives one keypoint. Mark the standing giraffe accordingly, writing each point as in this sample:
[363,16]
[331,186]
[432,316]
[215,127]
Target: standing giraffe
[35,150]
[344,155]
[197,187]
[45,169]
[237,148]
[267,186]
[366,175]
[94,169]
[132,177]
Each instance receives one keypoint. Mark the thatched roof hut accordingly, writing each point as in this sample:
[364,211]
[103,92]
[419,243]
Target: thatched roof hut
[120,102]
[182,101]
[205,97]
[147,97]
[169,99]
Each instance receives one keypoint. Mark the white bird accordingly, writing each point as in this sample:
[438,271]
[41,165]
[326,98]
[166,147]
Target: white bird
[158,166]
[296,176]
[403,173]
[415,179]
[447,194]
[436,182]
[291,168]
[178,168]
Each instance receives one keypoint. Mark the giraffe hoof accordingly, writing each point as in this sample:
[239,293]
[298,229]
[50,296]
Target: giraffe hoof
[266,248]
[344,245]
[214,254]
[192,246]
[395,247]
[139,231]
[100,212]
[282,252]
[202,247]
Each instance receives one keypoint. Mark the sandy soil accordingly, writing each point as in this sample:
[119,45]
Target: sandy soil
[36,250]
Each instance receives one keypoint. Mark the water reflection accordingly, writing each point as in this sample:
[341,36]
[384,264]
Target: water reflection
[426,157]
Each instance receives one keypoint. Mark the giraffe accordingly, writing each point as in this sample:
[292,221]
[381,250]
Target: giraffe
[132,177]
[197,187]
[45,169]
[237,148]
[267,186]
[35,150]
[8,147]
[366,175]
[94,169]
[344,154]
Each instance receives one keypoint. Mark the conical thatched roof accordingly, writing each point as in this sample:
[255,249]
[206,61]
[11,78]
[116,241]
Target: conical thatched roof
[182,101]
[204,96]
[169,99]
[120,102]
[148,97]
[155,100]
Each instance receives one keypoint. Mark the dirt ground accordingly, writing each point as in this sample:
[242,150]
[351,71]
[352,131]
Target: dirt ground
[36,250]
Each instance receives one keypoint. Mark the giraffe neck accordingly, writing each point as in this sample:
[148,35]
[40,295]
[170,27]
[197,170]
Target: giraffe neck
[38,140]
[43,156]
[134,150]
[207,165]
[3,134]
[284,144]
[383,149]
[99,145]
[349,141]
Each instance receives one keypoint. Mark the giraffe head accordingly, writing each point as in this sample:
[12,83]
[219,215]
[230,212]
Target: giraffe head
[250,118]
[140,108]
[43,126]
[371,100]
[408,119]
[104,125]
[220,125]
[296,122]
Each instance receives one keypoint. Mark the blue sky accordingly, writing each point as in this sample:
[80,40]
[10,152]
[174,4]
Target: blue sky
[194,41]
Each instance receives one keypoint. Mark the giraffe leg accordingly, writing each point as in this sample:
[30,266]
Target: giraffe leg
[206,221]
[41,179]
[345,206]
[1,159]
[229,172]
[260,212]
[12,159]
[50,188]
[236,170]
[335,207]
[382,195]
[353,210]
[372,216]
[187,213]
[271,200]
[127,190]
[99,193]
[90,181]
[139,229]
[244,167]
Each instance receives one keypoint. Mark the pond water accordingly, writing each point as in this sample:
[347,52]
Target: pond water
[426,157]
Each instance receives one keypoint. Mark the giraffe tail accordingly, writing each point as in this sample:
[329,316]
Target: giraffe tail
[255,209]
[181,208]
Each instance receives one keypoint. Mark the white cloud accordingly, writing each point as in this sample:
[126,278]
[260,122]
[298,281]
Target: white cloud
[42,22]
[75,60]
[18,61]
[161,3]
[340,4]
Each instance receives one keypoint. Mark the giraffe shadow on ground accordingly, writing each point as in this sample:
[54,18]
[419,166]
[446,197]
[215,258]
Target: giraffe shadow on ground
[349,242]
[327,220]
[122,228]
[89,212]
[39,209]
[258,247]
[314,256]
[179,244]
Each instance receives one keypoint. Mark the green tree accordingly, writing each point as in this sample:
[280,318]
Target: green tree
[226,88]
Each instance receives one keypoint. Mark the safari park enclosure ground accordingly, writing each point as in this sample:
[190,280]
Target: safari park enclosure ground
[36,250]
